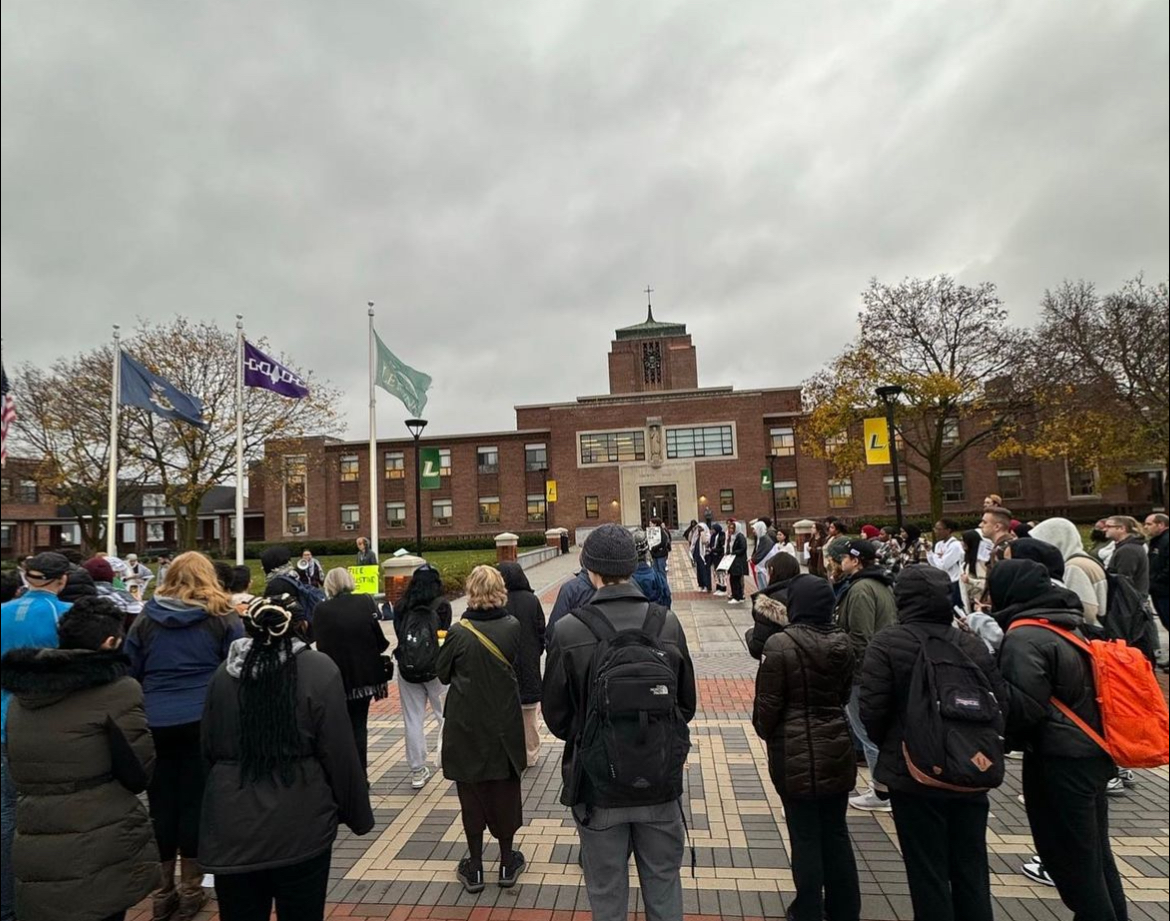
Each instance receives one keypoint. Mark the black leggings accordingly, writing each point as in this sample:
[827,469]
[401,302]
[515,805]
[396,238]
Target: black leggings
[176,790]
[359,714]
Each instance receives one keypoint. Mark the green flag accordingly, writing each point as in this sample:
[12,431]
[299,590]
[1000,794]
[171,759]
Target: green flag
[430,464]
[409,385]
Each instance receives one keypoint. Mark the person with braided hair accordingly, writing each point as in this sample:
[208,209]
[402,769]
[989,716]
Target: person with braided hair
[283,771]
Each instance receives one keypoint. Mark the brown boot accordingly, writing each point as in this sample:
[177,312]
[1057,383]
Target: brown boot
[192,898]
[166,900]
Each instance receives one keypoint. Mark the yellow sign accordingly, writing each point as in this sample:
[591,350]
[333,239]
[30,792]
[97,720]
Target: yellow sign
[365,580]
[550,490]
[877,442]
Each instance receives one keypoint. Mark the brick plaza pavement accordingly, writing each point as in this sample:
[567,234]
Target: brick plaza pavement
[405,867]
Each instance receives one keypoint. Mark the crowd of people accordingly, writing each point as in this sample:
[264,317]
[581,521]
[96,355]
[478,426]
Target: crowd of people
[240,716]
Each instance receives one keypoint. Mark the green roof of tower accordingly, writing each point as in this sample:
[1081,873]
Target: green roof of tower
[651,328]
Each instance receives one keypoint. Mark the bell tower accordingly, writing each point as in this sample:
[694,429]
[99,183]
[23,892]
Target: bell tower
[651,356]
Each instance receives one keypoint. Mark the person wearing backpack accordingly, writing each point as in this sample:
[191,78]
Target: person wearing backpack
[1065,772]
[804,681]
[418,617]
[1084,574]
[930,698]
[629,798]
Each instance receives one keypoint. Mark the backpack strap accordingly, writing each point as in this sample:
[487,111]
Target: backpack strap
[655,620]
[487,643]
[590,615]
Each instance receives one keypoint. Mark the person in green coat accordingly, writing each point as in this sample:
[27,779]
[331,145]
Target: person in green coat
[483,727]
[865,605]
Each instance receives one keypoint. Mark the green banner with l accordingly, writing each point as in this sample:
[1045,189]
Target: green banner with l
[428,459]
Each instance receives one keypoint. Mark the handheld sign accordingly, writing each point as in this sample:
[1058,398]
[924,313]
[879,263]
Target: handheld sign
[365,580]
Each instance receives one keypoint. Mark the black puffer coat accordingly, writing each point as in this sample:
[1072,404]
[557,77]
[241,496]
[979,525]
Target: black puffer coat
[769,616]
[525,607]
[803,684]
[923,596]
[1037,664]
[79,751]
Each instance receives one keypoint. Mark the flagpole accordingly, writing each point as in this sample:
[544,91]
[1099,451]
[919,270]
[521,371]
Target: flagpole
[239,439]
[112,477]
[373,439]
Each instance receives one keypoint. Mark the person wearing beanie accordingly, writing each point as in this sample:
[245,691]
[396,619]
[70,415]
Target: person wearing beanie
[606,830]
[102,573]
[942,833]
[870,532]
[648,577]
[802,686]
[865,605]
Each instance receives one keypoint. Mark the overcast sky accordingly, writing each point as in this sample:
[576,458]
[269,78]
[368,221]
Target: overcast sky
[503,179]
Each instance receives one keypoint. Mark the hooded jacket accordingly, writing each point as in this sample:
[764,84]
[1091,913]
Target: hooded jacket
[574,593]
[803,684]
[769,616]
[174,649]
[925,608]
[526,608]
[1038,665]
[1083,574]
[652,584]
[79,752]
[265,825]
[865,606]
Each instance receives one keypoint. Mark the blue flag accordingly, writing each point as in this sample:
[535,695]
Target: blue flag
[148,391]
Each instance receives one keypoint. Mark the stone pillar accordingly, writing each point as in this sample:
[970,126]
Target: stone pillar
[506,545]
[803,531]
[552,538]
[396,573]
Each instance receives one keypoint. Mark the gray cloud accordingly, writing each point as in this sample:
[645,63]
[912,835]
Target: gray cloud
[502,184]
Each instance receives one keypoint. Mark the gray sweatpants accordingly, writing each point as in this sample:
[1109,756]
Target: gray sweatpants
[657,837]
[414,699]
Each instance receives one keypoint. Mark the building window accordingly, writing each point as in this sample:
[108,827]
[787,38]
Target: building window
[489,509]
[154,504]
[487,460]
[836,443]
[294,521]
[536,507]
[156,532]
[351,514]
[396,514]
[395,465]
[295,479]
[613,447]
[26,492]
[787,495]
[888,487]
[6,534]
[1009,484]
[536,457]
[442,512]
[444,461]
[953,487]
[783,442]
[950,435]
[5,490]
[727,500]
[349,468]
[841,492]
[1082,481]
[652,362]
[706,441]
[592,507]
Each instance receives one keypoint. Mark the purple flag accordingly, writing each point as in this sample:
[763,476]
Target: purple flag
[262,371]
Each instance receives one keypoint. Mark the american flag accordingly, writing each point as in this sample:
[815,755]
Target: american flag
[9,415]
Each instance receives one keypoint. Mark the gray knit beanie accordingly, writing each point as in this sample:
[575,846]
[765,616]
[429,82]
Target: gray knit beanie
[609,551]
[641,543]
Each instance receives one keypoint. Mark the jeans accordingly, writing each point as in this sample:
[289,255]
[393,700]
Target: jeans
[853,713]
[298,890]
[1069,815]
[659,563]
[657,837]
[414,699]
[8,816]
[823,866]
[944,847]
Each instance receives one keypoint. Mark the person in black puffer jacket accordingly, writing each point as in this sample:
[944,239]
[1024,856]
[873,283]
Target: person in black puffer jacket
[1065,772]
[943,834]
[525,607]
[769,606]
[803,684]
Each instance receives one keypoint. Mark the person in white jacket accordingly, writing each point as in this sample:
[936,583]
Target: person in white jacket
[947,554]
[1083,574]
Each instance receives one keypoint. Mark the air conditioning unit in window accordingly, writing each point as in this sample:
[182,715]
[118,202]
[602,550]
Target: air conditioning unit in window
[348,526]
[294,530]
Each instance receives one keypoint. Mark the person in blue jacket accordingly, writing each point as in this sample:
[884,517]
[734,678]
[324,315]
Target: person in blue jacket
[648,577]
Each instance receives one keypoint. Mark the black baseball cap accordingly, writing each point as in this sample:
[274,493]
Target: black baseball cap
[862,550]
[46,566]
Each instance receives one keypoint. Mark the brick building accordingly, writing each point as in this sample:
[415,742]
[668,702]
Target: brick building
[656,444]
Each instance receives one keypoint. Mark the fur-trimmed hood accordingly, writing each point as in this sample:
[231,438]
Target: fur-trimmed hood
[41,677]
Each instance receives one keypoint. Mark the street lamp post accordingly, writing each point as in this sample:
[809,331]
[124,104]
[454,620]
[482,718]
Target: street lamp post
[415,427]
[889,395]
[544,474]
[772,473]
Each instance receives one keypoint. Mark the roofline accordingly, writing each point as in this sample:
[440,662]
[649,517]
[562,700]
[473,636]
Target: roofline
[444,438]
[651,395]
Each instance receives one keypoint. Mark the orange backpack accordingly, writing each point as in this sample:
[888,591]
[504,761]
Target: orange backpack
[1133,710]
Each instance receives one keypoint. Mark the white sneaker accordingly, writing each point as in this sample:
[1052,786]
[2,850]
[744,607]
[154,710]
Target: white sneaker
[1020,800]
[1115,787]
[870,802]
[736,601]
[419,778]
[1015,756]
[1127,777]
[1035,871]
[719,593]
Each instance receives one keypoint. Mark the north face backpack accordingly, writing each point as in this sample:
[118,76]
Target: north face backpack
[954,724]
[634,740]
[1134,714]
[418,646]
[1126,617]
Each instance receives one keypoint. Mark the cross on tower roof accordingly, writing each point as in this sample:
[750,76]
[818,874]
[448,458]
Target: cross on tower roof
[649,308]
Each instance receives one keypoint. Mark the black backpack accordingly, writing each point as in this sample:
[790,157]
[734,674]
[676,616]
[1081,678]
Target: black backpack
[1126,617]
[634,741]
[418,644]
[954,725]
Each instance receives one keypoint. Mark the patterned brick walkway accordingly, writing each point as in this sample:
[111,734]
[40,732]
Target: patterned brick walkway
[405,868]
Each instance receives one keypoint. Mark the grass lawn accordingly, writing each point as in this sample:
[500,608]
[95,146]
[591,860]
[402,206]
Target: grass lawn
[454,565]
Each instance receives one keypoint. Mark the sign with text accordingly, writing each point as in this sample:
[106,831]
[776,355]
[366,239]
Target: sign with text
[365,580]
[550,490]
[429,465]
[877,442]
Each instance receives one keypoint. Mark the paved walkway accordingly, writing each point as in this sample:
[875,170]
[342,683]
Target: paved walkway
[405,867]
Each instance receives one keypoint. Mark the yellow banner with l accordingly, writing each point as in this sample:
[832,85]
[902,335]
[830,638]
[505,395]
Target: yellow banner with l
[877,442]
